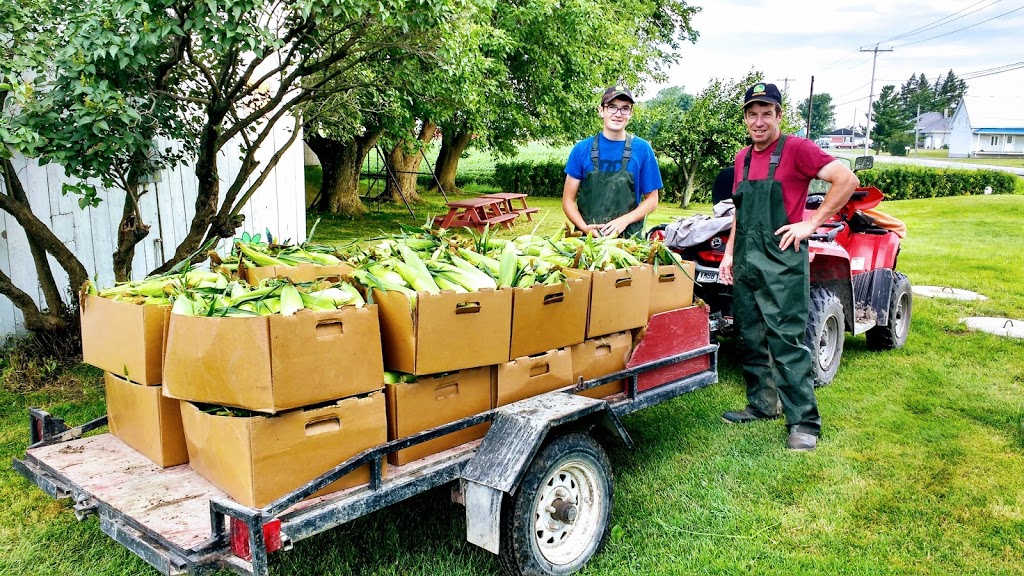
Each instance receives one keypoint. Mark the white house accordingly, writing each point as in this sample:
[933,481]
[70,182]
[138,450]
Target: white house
[168,207]
[987,126]
[842,138]
[932,130]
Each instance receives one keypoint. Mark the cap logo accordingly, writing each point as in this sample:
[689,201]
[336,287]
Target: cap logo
[759,89]
[620,87]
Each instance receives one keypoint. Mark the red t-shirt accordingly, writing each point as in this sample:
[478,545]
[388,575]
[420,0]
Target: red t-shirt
[801,161]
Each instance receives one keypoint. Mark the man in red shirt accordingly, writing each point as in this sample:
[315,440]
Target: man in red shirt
[770,272]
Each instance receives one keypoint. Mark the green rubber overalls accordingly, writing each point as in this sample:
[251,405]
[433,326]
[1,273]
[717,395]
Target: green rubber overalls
[604,196]
[771,302]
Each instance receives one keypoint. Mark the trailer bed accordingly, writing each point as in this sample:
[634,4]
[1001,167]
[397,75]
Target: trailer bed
[180,523]
[163,514]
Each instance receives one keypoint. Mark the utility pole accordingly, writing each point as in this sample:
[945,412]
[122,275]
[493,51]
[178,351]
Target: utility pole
[785,83]
[810,107]
[917,122]
[871,94]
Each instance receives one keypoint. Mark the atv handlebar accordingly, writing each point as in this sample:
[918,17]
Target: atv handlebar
[836,227]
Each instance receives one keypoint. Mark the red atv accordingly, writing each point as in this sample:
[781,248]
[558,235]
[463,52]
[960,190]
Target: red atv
[854,283]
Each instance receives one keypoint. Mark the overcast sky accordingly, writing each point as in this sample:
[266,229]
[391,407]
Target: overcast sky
[823,38]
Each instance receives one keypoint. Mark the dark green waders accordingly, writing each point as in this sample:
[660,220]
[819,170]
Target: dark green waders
[604,196]
[771,303]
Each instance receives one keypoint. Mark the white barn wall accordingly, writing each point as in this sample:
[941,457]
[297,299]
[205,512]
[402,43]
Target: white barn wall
[168,207]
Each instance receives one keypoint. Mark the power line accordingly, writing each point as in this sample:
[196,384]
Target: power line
[992,71]
[960,29]
[942,21]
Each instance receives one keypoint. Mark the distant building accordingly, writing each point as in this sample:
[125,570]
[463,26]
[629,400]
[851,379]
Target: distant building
[842,138]
[987,126]
[932,130]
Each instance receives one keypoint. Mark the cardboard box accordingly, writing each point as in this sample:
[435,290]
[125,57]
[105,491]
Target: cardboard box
[299,273]
[671,287]
[274,363]
[446,331]
[678,331]
[145,420]
[549,317]
[126,339]
[258,459]
[532,375]
[431,401]
[599,357]
[619,299]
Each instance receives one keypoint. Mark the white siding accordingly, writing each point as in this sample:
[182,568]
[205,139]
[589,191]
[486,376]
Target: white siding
[167,206]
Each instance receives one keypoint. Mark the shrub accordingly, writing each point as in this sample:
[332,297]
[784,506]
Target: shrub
[897,144]
[906,182]
[547,178]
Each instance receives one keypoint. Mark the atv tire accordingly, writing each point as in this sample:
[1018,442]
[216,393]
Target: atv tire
[826,333]
[894,335]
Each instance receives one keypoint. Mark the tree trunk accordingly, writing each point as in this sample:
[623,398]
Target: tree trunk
[689,174]
[207,195]
[342,164]
[452,147]
[404,162]
[51,293]
[42,241]
[130,232]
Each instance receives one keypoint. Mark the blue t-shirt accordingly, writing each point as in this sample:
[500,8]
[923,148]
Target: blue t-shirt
[642,163]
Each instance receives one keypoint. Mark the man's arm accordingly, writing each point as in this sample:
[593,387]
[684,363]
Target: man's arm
[569,191]
[844,182]
[617,226]
[725,266]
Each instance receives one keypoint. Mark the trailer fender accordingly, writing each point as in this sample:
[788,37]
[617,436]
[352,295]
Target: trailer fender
[517,433]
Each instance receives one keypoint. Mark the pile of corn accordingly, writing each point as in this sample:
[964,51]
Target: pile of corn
[198,292]
[159,290]
[255,255]
[237,299]
[432,261]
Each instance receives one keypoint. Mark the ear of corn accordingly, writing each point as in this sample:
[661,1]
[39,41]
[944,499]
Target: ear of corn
[509,265]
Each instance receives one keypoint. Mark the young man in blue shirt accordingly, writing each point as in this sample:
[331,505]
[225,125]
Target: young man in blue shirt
[611,180]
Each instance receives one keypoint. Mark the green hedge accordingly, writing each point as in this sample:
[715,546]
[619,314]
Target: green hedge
[906,182]
[547,178]
[897,182]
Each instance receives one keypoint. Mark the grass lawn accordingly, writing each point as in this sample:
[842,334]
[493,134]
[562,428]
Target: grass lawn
[920,469]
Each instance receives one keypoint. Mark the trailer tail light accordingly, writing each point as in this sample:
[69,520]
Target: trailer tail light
[710,256]
[240,538]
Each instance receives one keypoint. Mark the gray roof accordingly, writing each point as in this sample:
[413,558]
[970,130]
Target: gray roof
[844,132]
[931,122]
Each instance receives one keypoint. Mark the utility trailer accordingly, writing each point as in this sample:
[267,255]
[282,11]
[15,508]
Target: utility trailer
[537,488]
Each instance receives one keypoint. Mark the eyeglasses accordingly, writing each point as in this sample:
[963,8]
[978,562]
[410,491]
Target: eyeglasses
[613,110]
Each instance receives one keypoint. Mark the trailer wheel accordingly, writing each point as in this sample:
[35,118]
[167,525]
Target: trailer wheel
[900,305]
[560,515]
[825,334]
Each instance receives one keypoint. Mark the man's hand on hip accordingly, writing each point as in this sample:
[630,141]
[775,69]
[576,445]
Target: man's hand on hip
[794,234]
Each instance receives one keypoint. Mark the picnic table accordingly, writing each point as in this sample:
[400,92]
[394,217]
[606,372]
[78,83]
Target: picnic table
[475,213]
[507,206]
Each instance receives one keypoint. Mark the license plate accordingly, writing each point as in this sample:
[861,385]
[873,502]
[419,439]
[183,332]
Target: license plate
[707,277]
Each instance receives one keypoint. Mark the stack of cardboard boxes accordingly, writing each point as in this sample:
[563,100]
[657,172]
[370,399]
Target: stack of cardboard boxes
[311,382]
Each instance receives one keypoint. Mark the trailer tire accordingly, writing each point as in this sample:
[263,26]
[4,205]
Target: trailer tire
[825,334]
[901,303]
[572,477]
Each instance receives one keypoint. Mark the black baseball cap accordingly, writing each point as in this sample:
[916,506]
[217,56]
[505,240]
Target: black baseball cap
[617,91]
[761,92]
